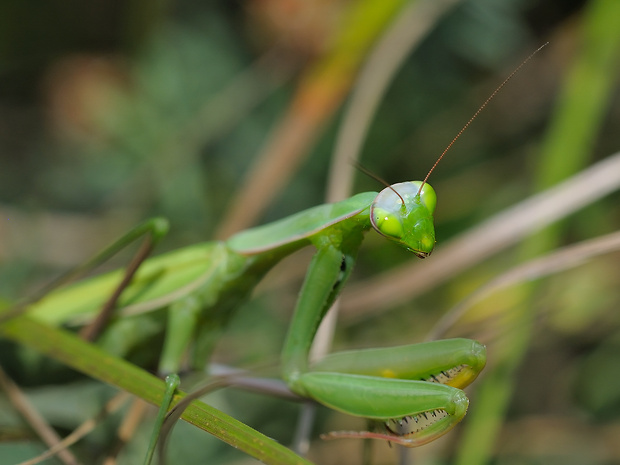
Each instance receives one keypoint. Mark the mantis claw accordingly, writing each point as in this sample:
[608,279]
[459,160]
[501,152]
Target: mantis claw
[415,390]
[409,431]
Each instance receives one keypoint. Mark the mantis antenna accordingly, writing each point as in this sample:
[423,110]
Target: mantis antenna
[377,178]
[475,115]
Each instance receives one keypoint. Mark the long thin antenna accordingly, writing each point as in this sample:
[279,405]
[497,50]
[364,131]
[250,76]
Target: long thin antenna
[372,175]
[478,112]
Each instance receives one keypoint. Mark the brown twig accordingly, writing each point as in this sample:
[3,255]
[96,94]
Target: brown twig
[35,419]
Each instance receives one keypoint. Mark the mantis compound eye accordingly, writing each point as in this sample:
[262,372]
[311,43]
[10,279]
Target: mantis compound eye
[404,214]
[387,223]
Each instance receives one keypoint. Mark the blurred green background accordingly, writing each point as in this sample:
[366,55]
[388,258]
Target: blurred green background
[113,112]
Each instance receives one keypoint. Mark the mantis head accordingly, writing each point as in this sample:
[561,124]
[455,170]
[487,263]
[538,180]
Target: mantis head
[404,214]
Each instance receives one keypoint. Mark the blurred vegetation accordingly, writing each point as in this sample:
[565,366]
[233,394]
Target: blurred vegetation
[113,112]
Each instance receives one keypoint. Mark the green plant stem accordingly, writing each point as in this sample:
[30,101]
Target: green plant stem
[92,361]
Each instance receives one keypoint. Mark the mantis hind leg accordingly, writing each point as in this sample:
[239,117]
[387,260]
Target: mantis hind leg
[183,317]
[172,383]
[153,230]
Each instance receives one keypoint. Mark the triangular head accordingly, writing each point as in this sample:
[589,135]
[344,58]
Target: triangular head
[404,213]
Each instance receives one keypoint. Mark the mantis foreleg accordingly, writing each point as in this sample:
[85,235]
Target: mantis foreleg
[412,388]
[328,271]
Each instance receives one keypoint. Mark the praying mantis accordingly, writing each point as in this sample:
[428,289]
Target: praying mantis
[414,390]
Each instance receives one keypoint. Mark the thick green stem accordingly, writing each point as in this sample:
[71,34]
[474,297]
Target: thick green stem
[92,361]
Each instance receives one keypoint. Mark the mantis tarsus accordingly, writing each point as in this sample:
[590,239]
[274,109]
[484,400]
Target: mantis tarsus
[415,390]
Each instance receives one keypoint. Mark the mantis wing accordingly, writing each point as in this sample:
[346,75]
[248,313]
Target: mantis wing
[158,282]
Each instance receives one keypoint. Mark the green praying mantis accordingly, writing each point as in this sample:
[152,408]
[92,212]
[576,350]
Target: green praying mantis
[414,390]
